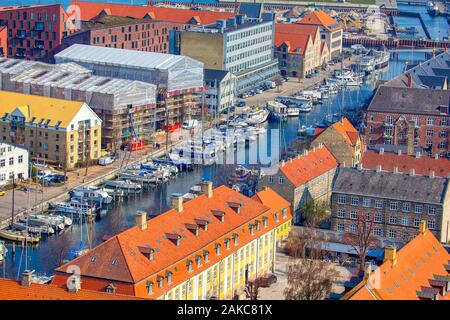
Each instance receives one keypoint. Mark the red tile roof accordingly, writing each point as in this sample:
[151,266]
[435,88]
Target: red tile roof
[321,18]
[13,290]
[347,131]
[304,168]
[295,29]
[296,44]
[418,262]
[404,163]
[120,258]
[89,10]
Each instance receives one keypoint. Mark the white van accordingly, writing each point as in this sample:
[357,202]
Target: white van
[104,161]
[190,124]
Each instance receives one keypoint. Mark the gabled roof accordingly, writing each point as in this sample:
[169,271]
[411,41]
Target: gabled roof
[89,10]
[294,29]
[271,199]
[119,258]
[304,168]
[13,290]
[404,163]
[55,110]
[419,264]
[347,131]
[297,44]
[321,18]
[388,185]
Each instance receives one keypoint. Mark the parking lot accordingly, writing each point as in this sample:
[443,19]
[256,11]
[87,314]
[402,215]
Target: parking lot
[294,85]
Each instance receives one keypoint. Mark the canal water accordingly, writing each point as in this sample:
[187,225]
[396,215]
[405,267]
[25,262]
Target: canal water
[53,250]
[437,26]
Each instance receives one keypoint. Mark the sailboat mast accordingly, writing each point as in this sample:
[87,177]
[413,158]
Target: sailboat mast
[13,199]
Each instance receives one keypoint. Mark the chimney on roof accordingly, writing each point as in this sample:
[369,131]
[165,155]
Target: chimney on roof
[206,188]
[367,270]
[140,220]
[74,283]
[412,172]
[381,150]
[283,163]
[27,276]
[410,138]
[379,168]
[395,170]
[422,227]
[399,152]
[320,145]
[290,160]
[431,175]
[177,201]
[418,155]
[409,80]
[305,153]
[390,254]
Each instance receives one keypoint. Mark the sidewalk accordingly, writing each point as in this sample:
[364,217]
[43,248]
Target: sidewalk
[39,199]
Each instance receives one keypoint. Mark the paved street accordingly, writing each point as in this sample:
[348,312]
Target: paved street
[24,200]
[275,291]
[294,85]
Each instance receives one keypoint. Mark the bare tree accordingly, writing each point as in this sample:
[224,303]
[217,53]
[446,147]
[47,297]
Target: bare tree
[278,82]
[363,239]
[308,277]
[252,289]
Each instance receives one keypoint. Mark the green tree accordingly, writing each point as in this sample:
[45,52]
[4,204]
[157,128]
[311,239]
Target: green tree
[314,212]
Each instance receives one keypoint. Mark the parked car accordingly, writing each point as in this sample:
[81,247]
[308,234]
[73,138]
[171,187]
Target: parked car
[240,104]
[104,161]
[259,90]
[42,174]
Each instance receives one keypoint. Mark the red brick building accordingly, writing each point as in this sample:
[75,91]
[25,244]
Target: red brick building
[34,32]
[126,33]
[411,117]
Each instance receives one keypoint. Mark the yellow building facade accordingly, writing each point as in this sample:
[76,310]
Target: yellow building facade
[55,131]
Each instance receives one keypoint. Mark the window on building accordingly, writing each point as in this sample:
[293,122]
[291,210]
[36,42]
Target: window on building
[405,221]
[377,232]
[341,213]
[379,204]
[393,219]
[392,234]
[340,227]
[353,215]
[418,208]
[341,199]
[431,224]
[379,217]
[149,286]
[416,222]
[352,228]
[393,205]
[406,206]
[431,210]
[430,122]
[366,202]
[354,201]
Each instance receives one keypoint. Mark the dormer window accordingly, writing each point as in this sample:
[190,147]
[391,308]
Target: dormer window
[202,223]
[149,286]
[235,239]
[219,215]
[194,228]
[169,277]
[189,265]
[206,255]
[160,281]
[218,249]
[264,220]
[284,213]
[111,288]
[149,253]
[251,227]
[174,237]
[258,225]
[235,206]
[277,217]
[198,260]
[227,243]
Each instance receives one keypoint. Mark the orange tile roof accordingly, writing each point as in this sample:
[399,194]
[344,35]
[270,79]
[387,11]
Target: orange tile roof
[418,262]
[13,290]
[271,199]
[304,168]
[404,163]
[89,10]
[295,29]
[347,131]
[320,17]
[296,44]
[120,259]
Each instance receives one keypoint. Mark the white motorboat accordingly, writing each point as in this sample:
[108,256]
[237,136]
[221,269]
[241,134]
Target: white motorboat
[33,230]
[278,111]
[126,185]
[255,116]
[293,111]
[56,222]
[75,208]
[91,193]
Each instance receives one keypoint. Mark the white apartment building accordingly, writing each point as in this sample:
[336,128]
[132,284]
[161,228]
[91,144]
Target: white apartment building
[14,162]
[221,90]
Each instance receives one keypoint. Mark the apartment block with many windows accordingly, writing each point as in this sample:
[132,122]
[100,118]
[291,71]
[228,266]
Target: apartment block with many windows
[55,131]
[396,203]
[14,163]
[207,247]
[35,32]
